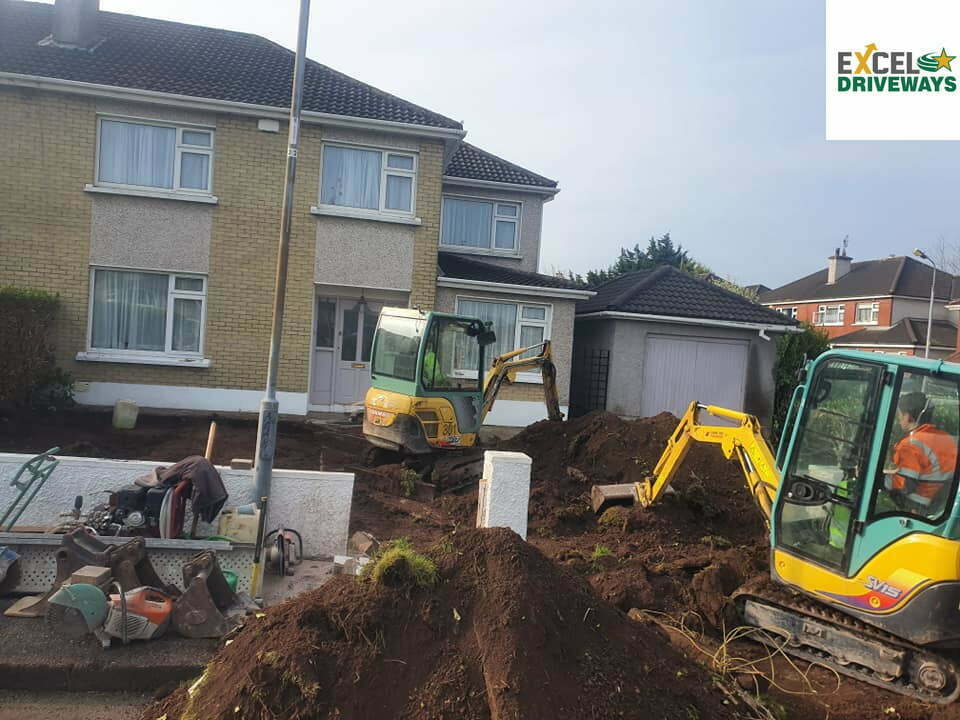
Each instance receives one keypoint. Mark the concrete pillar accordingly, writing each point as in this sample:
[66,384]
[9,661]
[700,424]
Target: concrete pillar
[504,491]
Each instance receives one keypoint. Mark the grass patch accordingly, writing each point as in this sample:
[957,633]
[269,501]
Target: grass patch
[399,564]
[408,481]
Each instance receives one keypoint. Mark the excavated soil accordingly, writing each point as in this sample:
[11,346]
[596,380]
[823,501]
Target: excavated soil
[505,634]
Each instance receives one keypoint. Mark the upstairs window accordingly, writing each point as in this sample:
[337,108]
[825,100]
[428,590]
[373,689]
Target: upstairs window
[868,313]
[481,224]
[790,312]
[828,315]
[149,155]
[367,179]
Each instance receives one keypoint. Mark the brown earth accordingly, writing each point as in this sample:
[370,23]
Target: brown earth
[505,634]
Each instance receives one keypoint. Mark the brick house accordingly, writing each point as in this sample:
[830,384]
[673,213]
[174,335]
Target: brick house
[875,305]
[144,164]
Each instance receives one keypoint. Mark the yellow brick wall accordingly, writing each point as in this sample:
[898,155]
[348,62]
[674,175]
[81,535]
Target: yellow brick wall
[423,290]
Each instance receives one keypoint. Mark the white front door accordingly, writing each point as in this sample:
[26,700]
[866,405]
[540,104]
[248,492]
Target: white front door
[324,349]
[357,323]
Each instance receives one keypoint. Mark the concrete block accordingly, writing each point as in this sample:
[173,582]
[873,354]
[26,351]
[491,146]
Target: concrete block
[91,575]
[504,491]
[363,543]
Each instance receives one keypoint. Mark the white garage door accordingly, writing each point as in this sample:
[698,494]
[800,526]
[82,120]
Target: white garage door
[678,370]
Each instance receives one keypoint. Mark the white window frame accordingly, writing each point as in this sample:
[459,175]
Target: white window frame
[179,149]
[384,173]
[172,294]
[873,307]
[790,312]
[546,324]
[818,318]
[491,249]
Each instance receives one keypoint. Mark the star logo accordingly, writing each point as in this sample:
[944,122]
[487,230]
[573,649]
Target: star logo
[943,60]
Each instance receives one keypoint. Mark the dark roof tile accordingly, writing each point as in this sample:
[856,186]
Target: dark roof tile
[454,265]
[472,163]
[908,331]
[170,57]
[668,291]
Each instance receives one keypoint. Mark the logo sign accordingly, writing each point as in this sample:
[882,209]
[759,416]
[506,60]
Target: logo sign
[892,74]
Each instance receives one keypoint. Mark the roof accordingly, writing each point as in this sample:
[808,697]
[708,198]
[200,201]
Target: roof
[668,291]
[472,163]
[909,331]
[758,288]
[456,266]
[170,57]
[902,276]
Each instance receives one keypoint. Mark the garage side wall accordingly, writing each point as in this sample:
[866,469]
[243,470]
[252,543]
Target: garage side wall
[627,340]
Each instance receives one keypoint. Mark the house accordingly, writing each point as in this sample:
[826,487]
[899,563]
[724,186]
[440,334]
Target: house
[144,165]
[656,340]
[875,305]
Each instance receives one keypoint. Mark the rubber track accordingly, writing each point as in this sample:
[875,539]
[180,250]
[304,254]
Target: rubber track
[764,591]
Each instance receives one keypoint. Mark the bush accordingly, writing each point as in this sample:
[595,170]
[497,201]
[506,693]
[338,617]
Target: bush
[793,352]
[28,375]
[398,565]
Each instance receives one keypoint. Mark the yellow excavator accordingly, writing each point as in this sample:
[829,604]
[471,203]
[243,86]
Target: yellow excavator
[432,387]
[861,502]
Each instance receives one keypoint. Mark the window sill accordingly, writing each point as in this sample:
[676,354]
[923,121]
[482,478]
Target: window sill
[117,357]
[866,324]
[360,214]
[157,194]
[512,254]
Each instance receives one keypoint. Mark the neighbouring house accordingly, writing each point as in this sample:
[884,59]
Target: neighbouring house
[758,289]
[144,165]
[874,305]
[656,340]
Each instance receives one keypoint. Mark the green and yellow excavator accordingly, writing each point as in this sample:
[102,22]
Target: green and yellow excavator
[861,502]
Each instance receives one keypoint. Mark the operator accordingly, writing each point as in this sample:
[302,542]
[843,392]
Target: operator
[925,459]
[431,370]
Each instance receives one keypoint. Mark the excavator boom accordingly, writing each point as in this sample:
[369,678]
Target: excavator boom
[505,368]
[744,441]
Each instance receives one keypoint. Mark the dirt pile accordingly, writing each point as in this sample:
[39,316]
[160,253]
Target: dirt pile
[503,634]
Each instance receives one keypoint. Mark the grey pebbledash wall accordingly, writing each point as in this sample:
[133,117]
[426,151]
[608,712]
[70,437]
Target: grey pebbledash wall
[626,341]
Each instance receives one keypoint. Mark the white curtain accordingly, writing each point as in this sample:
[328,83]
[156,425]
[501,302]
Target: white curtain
[506,238]
[194,170]
[186,325]
[133,154]
[399,192]
[504,319]
[351,177]
[467,222]
[129,311]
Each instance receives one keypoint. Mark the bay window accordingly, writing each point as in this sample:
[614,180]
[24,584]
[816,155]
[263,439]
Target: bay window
[515,324]
[481,224]
[368,179]
[868,313]
[147,313]
[828,315]
[154,155]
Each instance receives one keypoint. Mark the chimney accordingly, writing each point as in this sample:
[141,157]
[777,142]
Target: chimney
[837,266]
[75,24]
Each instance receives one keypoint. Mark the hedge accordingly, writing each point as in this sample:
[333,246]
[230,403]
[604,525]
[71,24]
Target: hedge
[26,353]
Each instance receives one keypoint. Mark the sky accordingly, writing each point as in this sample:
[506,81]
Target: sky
[699,118]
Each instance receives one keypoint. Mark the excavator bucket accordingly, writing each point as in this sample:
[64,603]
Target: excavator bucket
[607,496]
[208,608]
[9,570]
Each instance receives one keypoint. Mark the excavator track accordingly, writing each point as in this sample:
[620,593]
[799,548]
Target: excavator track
[816,632]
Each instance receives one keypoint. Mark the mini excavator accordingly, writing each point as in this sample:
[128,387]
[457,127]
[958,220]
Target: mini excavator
[865,546]
[431,387]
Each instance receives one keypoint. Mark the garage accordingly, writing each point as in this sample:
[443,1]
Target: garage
[678,370]
[656,340]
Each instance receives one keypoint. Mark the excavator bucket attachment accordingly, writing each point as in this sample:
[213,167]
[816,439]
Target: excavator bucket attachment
[9,570]
[607,496]
[208,608]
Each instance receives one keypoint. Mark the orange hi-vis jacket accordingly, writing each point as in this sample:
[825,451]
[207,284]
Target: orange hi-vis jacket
[926,460]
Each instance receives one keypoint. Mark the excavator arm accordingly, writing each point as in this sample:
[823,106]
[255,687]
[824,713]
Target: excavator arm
[505,368]
[745,441]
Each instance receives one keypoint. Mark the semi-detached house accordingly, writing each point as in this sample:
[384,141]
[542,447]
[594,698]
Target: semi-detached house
[143,169]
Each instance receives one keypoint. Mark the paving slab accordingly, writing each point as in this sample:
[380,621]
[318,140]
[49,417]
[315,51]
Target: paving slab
[43,705]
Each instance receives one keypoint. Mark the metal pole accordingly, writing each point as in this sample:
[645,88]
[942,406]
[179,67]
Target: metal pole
[933,285]
[269,407]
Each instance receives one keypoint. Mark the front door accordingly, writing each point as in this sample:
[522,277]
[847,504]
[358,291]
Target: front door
[357,323]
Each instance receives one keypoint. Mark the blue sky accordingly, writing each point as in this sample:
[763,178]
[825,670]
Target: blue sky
[697,117]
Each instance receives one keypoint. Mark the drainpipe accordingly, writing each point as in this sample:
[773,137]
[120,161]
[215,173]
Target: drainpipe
[269,407]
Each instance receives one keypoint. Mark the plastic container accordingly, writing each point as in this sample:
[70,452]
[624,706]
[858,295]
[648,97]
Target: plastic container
[239,525]
[125,414]
[231,577]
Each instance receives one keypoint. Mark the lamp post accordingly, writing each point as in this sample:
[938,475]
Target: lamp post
[933,285]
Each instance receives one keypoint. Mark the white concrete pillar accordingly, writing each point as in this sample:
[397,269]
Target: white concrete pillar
[504,491]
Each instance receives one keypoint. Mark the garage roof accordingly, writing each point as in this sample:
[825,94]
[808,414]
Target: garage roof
[670,292]
[454,265]
[909,331]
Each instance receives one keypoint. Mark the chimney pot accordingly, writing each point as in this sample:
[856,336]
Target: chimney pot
[75,23]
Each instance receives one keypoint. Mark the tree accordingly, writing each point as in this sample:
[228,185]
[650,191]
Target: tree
[793,352]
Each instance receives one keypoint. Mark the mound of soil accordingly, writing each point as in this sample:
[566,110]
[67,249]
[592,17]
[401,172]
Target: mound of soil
[504,634]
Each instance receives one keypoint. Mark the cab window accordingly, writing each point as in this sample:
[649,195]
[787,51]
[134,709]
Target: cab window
[437,372]
[919,473]
[830,460]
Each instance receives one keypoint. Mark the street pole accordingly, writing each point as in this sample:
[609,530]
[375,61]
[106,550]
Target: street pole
[933,285]
[269,407]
